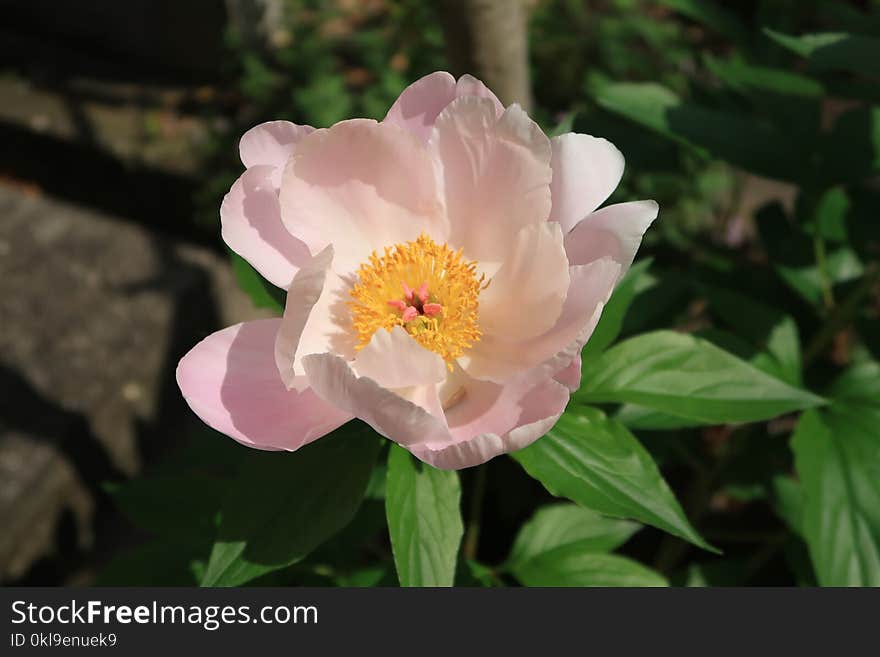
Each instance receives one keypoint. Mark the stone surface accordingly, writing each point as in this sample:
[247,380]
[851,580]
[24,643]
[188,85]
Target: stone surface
[94,314]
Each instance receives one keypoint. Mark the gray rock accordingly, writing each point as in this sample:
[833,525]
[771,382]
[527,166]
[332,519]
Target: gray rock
[94,314]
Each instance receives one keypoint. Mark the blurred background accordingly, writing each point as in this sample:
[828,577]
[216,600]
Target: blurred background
[119,124]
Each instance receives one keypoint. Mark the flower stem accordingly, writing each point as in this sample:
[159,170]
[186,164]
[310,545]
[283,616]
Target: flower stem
[472,535]
[824,276]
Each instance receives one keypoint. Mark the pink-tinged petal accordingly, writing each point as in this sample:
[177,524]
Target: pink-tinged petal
[401,420]
[393,359]
[315,319]
[570,375]
[542,356]
[230,381]
[251,225]
[586,170]
[361,186]
[495,173]
[614,231]
[468,85]
[525,296]
[270,144]
[418,106]
[492,420]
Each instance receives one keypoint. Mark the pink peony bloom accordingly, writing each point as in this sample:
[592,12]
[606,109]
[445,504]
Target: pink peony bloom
[443,270]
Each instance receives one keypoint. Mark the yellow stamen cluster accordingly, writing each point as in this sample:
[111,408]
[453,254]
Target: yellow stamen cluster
[452,282]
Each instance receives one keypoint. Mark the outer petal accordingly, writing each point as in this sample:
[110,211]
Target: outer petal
[495,173]
[468,85]
[271,144]
[361,186]
[315,319]
[493,420]
[525,297]
[251,225]
[614,231]
[394,360]
[570,375]
[229,379]
[417,107]
[586,170]
[542,356]
[399,419]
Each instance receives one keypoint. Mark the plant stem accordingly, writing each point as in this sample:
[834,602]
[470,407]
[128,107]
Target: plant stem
[472,536]
[824,277]
[842,316]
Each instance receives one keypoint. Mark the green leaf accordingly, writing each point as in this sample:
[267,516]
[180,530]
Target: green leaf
[765,327]
[688,377]
[262,293]
[567,527]
[647,419]
[283,505]
[564,125]
[167,562]
[597,463]
[747,142]
[837,456]
[834,50]
[841,265]
[172,505]
[852,150]
[574,568]
[611,321]
[719,572]
[859,385]
[712,15]
[422,504]
[750,79]
[789,502]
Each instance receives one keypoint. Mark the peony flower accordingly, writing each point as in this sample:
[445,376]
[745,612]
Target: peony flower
[443,268]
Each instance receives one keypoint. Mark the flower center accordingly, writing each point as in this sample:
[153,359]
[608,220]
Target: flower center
[424,287]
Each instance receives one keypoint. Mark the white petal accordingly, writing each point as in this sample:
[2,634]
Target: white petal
[586,170]
[393,359]
[315,319]
[614,231]
[525,297]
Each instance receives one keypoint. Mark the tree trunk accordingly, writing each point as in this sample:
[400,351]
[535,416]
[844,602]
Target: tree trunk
[488,39]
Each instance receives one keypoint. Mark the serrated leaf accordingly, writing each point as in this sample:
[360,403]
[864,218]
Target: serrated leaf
[597,463]
[837,457]
[690,378]
[283,505]
[422,505]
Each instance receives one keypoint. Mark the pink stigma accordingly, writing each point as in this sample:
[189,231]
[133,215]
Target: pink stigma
[416,303]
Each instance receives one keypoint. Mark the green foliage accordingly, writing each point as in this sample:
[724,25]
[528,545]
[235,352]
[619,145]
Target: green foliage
[561,529]
[757,128]
[424,520]
[282,506]
[690,378]
[596,462]
[838,461]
